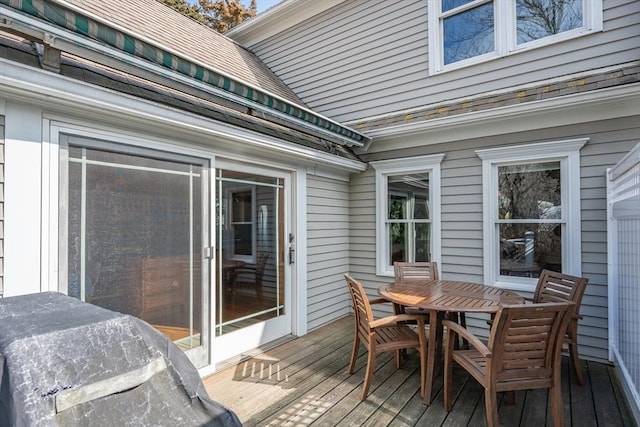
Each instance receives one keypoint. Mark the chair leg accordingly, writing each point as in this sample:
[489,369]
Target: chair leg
[354,352]
[371,364]
[555,395]
[575,361]
[491,407]
[510,397]
[423,372]
[448,371]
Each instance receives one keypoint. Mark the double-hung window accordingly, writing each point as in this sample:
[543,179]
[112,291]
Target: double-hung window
[464,32]
[407,211]
[531,211]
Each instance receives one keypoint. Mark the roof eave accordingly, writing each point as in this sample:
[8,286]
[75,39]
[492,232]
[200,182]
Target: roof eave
[80,33]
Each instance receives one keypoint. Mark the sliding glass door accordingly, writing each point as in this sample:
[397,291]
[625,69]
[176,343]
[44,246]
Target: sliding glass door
[199,250]
[252,257]
[136,222]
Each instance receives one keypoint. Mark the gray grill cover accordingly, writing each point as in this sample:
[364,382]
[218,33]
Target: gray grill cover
[54,346]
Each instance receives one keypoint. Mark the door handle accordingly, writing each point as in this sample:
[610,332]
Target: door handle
[292,254]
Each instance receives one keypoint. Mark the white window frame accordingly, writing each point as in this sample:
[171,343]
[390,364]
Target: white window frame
[230,193]
[384,168]
[567,152]
[505,36]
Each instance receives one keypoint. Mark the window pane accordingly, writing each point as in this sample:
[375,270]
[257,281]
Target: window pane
[421,206]
[469,33]
[242,207]
[398,240]
[397,206]
[422,243]
[135,238]
[409,195]
[526,249]
[529,191]
[541,18]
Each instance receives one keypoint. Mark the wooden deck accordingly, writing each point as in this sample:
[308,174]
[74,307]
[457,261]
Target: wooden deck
[305,382]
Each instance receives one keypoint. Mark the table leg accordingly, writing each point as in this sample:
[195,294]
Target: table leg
[434,352]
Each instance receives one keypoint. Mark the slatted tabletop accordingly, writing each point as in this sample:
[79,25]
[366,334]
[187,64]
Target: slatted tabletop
[438,297]
[449,295]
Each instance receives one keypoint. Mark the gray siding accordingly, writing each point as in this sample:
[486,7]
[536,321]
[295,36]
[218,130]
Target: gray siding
[366,58]
[327,250]
[1,206]
[462,256]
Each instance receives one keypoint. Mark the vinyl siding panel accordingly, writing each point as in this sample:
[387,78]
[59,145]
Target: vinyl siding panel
[462,216]
[327,250]
[1,206]
[368,58]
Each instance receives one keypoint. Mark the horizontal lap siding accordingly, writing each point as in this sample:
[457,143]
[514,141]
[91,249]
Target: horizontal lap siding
[365,58]
[327,250]
[462,216]
[1,206]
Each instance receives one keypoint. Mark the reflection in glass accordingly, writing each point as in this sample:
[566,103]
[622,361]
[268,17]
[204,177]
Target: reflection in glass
[529,191]
[249,260]
[537,19]
[469,33]
[408,225]
[530,218]
[527,249]
[134,230]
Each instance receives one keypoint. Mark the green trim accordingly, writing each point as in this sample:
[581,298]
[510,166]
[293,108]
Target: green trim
[85,26]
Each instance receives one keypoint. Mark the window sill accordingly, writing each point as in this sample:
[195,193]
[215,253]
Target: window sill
[515,286]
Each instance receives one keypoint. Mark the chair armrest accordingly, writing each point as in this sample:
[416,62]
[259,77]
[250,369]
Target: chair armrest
[393,320]
[529,299]
[468,336]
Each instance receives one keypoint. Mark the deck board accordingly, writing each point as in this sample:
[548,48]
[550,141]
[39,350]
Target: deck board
[305,382]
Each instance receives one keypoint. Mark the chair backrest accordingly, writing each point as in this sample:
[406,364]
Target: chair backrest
[526,343]
[558,287]
[361,307]
[415,270]
[261,263]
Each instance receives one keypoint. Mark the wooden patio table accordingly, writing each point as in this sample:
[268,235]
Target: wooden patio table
[441,296]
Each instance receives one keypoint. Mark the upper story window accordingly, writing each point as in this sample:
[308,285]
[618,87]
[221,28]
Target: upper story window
[464,32]
[531,211]
[407,211]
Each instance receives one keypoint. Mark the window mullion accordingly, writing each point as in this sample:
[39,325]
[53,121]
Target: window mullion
[462,8]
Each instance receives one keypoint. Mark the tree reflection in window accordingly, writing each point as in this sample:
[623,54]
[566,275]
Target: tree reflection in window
[530,218]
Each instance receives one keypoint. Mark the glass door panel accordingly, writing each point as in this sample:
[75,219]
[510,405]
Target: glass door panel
[250,227]
[136,225]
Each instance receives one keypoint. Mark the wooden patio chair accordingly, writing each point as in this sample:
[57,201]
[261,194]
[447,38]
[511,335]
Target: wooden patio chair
[523,352]
[382,335]
[250,277]
[415,270]
[558,287]
[407,271]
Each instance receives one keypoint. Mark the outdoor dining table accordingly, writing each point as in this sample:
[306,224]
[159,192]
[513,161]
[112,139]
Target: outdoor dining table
[441,296]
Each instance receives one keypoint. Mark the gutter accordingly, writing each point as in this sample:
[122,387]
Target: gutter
[95,35]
